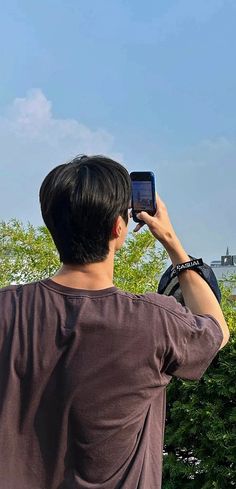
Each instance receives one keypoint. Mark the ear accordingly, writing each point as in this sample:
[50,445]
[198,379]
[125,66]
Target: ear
[117,228]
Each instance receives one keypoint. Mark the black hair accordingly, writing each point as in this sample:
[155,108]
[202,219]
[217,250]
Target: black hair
[80,202]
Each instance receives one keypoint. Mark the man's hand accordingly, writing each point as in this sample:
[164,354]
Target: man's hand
[198,296]
[159,224]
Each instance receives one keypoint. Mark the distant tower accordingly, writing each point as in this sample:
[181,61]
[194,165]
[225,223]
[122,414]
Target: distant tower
[227,260]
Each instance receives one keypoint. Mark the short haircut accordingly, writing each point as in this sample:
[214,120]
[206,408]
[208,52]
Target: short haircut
[80,202]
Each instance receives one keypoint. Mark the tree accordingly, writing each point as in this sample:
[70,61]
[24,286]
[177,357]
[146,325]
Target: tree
[200,440]
[139,263]
[27,254]
[200,436]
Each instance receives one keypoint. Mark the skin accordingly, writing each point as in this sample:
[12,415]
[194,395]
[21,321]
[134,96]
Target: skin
[197,294]
[94,276]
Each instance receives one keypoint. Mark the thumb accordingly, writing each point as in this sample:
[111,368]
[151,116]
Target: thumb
[145,217]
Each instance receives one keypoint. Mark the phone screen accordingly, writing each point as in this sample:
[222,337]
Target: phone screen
[142,195]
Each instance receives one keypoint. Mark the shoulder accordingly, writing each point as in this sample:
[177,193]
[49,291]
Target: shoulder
[167,308]
[15,289]
[154,300]
[150,298]
[10,289]
[8,297]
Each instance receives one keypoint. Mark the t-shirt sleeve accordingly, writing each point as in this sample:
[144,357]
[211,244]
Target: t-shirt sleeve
[187,343]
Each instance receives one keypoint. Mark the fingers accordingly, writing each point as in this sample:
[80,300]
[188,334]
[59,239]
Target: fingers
[151,221]
[138,227]
[145,217]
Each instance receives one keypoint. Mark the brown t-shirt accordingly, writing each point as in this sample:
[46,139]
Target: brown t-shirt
[83,376]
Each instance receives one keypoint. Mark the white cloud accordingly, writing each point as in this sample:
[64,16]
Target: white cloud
[198,182]
[31,119]
[32,142]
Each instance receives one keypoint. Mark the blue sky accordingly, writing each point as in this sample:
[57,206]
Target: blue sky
[152,84]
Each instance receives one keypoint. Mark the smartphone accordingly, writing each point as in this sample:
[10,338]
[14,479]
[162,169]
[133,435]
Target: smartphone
[143,193]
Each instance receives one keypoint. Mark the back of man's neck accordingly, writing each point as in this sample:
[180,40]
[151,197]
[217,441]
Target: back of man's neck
[95,276]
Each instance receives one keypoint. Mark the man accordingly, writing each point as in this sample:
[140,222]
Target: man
[84,366]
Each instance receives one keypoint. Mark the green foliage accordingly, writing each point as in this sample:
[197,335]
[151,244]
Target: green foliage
[227,303]
[200,437]
[138,264]
[27,253]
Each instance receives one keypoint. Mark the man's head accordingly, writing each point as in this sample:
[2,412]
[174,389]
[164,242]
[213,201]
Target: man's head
[84,205]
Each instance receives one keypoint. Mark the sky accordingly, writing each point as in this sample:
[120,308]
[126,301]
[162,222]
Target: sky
[152,84]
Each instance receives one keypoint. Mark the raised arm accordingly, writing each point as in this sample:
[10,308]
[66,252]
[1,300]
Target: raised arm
[197,294]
